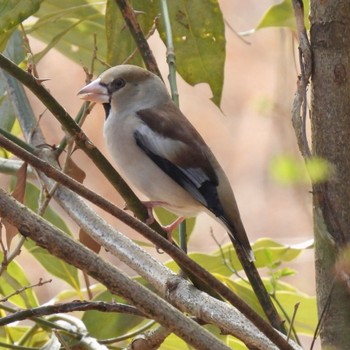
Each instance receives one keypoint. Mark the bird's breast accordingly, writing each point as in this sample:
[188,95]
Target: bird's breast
[140,171]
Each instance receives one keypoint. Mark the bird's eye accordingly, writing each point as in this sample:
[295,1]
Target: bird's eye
[116,84]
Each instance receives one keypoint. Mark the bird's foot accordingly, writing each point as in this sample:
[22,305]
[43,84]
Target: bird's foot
[168,228]
[173,226]
[149,206]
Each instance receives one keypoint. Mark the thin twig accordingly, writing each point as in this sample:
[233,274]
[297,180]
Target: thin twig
[23,289]
[150,340]
[148,35]
[296,307]
[134,27]
[299,113]
[129,335]
[10,256]
[171,59]
[170,54]
[73,306]
[230,265]
[322,317]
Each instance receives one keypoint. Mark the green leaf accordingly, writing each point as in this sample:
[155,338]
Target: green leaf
[234,343]
[243,289]
[224,262]
[69,294]
[12,13]
[282,15]
[15,333]
[7,113]
[215,263]
[288,170]
[173,342]
[69,26]
[32,201]
[318,169]
[166,218]
[120,43]
[267,252]
[114,324]
[14,51]
[288,297]
[4,38]
[54,41]
[199,40]
[306,317]
[14,279]
[119,40]
[284,272]
[53,265]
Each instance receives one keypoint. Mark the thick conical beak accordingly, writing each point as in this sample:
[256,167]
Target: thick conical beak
[94,92]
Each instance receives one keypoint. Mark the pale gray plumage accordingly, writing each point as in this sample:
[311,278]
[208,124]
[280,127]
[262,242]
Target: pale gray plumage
[159,152]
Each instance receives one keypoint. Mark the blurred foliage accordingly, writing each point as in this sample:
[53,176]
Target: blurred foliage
[282,15]
[115,325]
[53,265]
[81,29]
[71,27]
[199,41]
[291,171]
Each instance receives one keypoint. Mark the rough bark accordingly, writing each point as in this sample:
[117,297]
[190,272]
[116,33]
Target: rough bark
[330,41]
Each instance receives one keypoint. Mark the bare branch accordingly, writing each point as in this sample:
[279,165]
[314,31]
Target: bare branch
[134,27]
[76,305]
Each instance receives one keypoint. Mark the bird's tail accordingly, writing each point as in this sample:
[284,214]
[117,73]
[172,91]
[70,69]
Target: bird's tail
[246,256]
[246,248]
[239,237]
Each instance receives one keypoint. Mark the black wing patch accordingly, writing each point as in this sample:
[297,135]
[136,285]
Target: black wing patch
[193,180]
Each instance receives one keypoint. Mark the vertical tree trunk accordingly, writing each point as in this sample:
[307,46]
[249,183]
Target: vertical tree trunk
[330,42]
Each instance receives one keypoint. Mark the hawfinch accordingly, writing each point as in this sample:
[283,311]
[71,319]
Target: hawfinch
[158,150]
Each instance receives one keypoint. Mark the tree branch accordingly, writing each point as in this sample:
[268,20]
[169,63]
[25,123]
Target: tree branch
[140,40]
[76,305]
[159,241]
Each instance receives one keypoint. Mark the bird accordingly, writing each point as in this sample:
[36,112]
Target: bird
[158,151]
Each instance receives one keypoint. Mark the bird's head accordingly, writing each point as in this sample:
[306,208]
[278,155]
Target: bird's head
[126,88]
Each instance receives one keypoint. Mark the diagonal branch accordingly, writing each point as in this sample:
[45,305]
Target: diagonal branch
[134,27]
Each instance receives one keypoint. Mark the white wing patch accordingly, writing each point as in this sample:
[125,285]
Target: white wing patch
[159,145]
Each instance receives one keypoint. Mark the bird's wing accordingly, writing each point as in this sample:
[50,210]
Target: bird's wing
[175,146]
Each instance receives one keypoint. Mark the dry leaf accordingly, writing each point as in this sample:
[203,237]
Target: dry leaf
[88,241]
[74,171]
[17,193]
[78,174]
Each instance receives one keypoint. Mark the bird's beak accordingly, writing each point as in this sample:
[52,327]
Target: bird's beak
[94,92]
